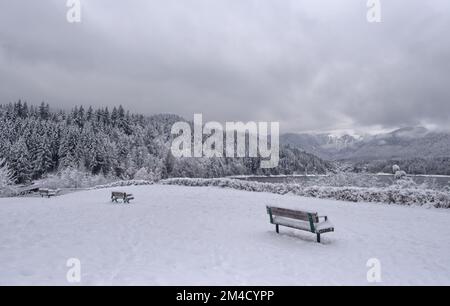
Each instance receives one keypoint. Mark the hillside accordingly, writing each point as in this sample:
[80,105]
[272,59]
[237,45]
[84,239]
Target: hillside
[38,141]
[418,149]
[403,143]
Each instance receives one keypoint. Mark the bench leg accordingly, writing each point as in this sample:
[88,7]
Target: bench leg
[277,228]
[318,238]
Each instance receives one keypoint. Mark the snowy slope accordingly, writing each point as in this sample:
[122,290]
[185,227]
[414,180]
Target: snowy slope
[174,235]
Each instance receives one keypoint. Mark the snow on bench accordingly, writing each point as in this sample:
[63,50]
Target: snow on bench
[125,197]
[45,192]
[301,220]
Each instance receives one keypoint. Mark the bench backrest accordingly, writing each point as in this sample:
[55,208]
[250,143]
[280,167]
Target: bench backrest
[293,214]
[118,194]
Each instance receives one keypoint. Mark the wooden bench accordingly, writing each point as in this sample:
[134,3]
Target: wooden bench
[125,197]
[45,192]
[301,220]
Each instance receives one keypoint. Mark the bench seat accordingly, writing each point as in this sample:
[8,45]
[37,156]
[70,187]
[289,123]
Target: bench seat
[321,227]
[301,220]
[298,224]
[324,227]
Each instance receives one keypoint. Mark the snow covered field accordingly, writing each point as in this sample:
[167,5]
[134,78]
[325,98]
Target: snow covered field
[174,235]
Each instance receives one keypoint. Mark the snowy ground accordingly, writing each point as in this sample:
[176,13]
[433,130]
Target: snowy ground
[174,235]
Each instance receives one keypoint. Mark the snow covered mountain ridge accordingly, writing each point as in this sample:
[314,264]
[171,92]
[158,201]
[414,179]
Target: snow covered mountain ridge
[408,142]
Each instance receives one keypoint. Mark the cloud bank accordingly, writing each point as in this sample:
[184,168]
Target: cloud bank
[309,64]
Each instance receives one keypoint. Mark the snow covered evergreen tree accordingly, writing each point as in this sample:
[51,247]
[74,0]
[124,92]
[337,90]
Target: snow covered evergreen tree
[20,162]
[6,175]
[37,142]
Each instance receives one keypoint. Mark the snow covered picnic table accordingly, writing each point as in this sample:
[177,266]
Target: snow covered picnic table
[176,235]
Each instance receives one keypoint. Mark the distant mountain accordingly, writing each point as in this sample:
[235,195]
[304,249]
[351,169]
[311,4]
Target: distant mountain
[325,146]
[405,143]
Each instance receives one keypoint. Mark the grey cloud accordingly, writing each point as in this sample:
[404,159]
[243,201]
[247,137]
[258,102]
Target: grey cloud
[312,65]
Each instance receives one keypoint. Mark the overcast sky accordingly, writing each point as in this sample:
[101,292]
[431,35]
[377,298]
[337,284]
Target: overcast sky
[311,65]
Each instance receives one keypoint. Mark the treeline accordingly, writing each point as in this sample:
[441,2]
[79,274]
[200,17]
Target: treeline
[36,141]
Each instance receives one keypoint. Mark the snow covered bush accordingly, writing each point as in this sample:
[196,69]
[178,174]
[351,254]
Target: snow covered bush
[123,184]
[389,195]
[399,175]
[405,182]
[395,168]
[145,175]
[73,178]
